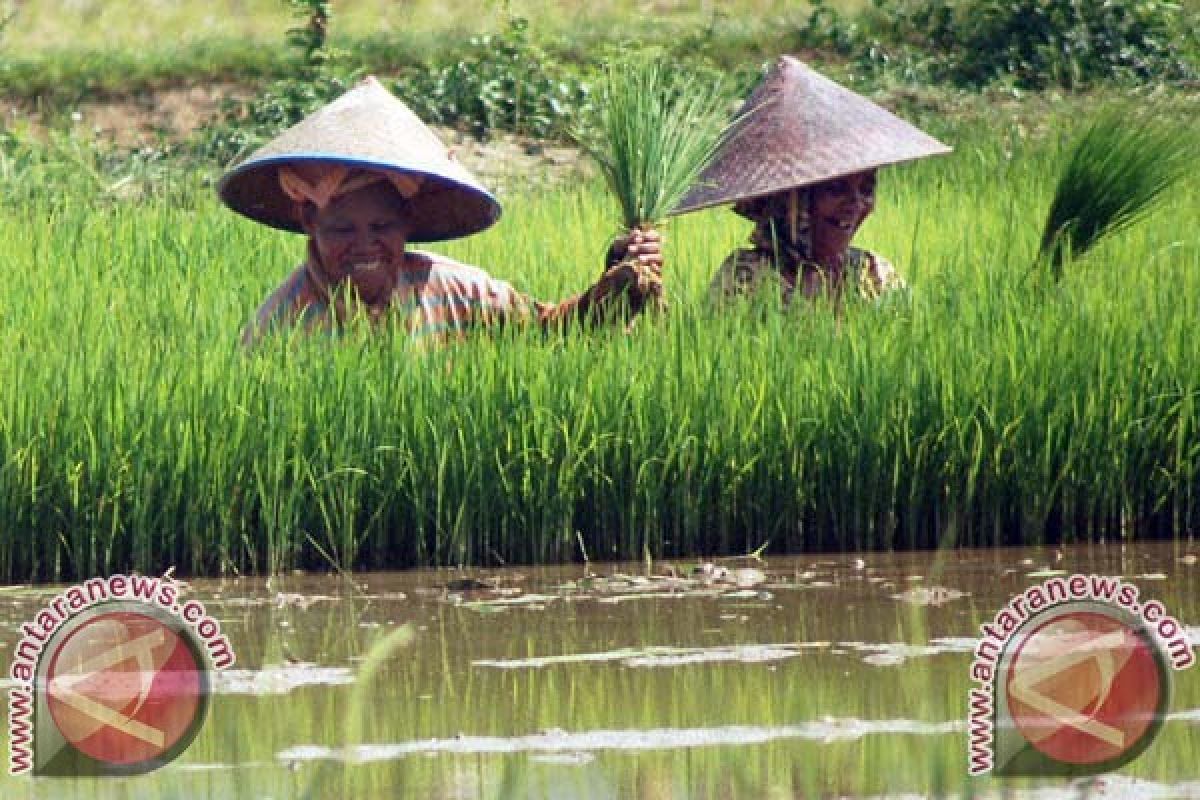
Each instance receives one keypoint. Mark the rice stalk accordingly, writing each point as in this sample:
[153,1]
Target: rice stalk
[1118,170]
[657,131]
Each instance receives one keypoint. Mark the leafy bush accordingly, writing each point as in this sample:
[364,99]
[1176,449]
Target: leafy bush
[505,81]
[827,28]
[1036,43]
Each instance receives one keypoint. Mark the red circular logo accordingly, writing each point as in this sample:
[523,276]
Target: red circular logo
[125,688]
[1084,688]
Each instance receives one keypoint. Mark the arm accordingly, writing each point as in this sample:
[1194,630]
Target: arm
[456,296]
[632,281]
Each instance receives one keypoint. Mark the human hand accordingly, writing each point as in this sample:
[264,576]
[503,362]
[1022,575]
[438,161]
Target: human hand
[644,245]
[639,283]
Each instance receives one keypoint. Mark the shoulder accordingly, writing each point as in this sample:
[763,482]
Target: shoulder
[294,293]
[283,305]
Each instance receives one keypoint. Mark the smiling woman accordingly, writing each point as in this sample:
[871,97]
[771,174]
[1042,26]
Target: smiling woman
[801,164]
[362,177]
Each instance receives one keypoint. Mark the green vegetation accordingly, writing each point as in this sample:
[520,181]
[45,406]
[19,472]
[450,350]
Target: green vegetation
[415,41]
[1120,168]
[1031,43]
[656,133]
[497,71]
[316,80]
[135,432]
[979,409]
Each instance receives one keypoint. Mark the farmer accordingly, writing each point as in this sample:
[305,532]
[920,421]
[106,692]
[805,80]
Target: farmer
[363,177]
[801,165]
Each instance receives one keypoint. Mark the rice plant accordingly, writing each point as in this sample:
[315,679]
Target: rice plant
[134,432]
[657,131]
[1117,172]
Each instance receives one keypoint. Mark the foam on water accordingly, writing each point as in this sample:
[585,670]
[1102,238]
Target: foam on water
[663,656]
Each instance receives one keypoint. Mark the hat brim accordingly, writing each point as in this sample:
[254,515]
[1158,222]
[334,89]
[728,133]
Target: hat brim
[799,129]
[698,202]
[441,209]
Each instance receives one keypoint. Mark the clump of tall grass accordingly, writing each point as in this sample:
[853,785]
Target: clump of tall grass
[656,132]
[1117,172]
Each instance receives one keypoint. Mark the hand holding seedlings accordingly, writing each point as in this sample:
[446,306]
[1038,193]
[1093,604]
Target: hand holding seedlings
[643,244]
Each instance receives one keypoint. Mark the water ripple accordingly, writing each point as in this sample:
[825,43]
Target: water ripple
[560,741]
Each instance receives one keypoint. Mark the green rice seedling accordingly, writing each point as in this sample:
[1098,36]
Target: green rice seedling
[1116,172]
[334,777]
[656,133]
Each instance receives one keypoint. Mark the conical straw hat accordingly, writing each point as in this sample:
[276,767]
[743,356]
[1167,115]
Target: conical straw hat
[799,128]
[366,128]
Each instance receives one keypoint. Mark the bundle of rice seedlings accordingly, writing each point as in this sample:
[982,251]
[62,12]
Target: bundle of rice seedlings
[1116,173]
[656,130]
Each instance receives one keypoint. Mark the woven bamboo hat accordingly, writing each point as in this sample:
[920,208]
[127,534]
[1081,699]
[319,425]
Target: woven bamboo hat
[799,128]
[367,128]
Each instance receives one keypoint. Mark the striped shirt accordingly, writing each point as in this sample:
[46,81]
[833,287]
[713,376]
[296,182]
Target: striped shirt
[434,296]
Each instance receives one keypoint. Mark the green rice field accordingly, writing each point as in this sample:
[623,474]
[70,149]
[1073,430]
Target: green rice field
[740,551]
[985,406]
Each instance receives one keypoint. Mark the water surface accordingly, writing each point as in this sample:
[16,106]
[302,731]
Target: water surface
[804,676]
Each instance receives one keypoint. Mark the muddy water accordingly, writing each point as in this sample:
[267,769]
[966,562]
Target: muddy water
[812,676]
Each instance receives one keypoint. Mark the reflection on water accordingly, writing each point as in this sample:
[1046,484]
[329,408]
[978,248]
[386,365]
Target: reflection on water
[801,677]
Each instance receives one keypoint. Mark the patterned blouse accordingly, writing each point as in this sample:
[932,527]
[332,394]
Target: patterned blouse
[747,271]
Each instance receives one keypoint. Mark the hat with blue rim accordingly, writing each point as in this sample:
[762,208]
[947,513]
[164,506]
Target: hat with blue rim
[368,133]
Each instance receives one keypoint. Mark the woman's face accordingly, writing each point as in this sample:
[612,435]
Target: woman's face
[360,238]
[838,209]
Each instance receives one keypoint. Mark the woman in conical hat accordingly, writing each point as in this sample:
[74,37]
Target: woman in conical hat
[801,164]
[363,177]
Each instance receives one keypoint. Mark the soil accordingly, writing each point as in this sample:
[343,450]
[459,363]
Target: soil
[503,161]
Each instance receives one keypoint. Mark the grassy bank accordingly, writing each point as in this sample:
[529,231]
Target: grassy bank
[104,24]
[982,408]
[60,53]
